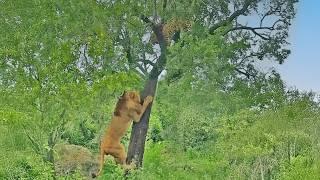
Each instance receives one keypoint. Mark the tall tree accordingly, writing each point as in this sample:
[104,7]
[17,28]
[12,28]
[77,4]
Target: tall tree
[259,27]
[44,55]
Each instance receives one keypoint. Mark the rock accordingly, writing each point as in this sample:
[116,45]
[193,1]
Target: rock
[69,159]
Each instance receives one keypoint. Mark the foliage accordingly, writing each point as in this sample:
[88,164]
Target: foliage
[216,116]
[250,144]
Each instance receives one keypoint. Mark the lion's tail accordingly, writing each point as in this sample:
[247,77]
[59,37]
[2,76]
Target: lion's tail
[101,159]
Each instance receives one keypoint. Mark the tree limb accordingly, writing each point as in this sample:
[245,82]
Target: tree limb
[252,29]
[143,70]
[146,61]
[233,16]
[157,30]
[248,75]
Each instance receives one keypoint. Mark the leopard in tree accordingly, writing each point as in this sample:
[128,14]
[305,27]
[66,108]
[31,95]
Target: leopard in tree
[172,29]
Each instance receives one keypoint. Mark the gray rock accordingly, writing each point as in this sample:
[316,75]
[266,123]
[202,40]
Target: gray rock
[69,159]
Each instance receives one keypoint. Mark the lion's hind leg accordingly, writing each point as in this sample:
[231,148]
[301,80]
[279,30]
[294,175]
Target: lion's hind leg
[121,158]
[119,153]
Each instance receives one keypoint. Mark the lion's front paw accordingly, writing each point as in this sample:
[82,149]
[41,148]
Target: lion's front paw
[148,99]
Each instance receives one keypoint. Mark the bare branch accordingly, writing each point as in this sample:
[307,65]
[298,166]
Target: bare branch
[272,11]
[142,69]
[253,29]
[233,16]
[248,75]
[146,61]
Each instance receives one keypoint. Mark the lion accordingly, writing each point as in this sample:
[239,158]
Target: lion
[128,108]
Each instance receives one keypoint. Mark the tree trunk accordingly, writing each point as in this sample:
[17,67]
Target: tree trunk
[139,130]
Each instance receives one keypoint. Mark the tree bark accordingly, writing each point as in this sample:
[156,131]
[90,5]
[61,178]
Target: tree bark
[139,130]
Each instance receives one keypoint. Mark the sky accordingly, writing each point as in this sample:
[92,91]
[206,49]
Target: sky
[302,69]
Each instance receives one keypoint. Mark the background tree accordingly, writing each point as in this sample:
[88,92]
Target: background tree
[49,76]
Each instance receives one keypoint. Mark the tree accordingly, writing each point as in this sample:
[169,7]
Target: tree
[264,40]
[47,69]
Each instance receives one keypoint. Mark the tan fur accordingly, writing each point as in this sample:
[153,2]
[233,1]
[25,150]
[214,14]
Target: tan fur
[127,109]
[171,27]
